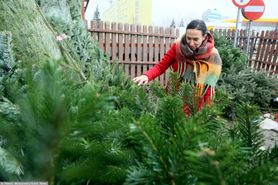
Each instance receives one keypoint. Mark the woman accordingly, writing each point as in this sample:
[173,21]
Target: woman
[195,59]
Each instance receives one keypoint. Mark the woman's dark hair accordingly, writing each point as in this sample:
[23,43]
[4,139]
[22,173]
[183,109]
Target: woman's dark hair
[199,25]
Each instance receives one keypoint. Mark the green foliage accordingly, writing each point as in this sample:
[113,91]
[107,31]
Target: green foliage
[57,110]
[164,158]
[78,45]
[6,57]
[9,112]
[32,38]
[70,130]
[201,149]
[75,7]
[233,59]
[248,129]
[242,83]
[216,164]
[56,9]
[8,163]
[43,111]
[97,151]
[251,86]
[167,136]
[125,92]
[81,121]
[187,92]
[77,42]
[170,113]
[10,69]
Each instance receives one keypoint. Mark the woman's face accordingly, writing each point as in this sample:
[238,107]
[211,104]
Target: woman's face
[194,38]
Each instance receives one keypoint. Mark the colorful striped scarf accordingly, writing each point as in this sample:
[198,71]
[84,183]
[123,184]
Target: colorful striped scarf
[202,67]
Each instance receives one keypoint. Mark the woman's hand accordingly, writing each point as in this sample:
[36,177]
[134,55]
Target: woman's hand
[141,80]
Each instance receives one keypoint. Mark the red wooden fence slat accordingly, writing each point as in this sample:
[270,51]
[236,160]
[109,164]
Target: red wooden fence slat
[267,56]
[252,47]
[133,50]
[107,40]
[101,35]
[271,56]
[156,44]
[139,50]
[120,42]
[127,49]
[161,51]
[114,42]
[156,48]
[94,35]
[274,67]
[167,39]
[259,48]
[262,52]
[145,49]
[151,40]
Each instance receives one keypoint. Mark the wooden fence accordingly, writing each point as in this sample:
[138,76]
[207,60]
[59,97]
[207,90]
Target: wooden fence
[136,47]
[263,48]
[140,47]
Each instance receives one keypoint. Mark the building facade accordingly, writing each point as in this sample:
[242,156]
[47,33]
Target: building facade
[129,11]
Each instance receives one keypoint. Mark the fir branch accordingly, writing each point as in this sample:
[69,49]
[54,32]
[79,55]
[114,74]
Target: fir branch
[153,146]
[156,151]
[251,135]
[69,58]
[9,163]
[8,110]
[34,42]
[6,53]
[249,129]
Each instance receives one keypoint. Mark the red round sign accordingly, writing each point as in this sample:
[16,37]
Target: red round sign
[241,3]
[254,10]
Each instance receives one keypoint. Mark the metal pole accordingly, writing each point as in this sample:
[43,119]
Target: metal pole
[237,21]
[248,39]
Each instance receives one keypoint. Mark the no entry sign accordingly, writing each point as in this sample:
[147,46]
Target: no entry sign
[254,10]
[241,3]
